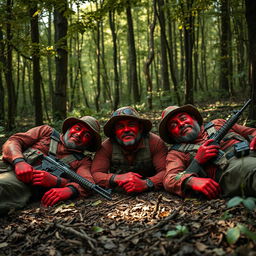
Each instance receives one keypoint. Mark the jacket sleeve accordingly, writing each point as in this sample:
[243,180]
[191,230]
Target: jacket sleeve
[101,165]
[19,142]
[176,175]
[159,152]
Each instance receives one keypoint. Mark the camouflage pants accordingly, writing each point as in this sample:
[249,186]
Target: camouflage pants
[13,193]
[240,177]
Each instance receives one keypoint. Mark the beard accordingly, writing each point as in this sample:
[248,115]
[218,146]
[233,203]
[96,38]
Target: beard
[130,142]
[70,144]
[190,136]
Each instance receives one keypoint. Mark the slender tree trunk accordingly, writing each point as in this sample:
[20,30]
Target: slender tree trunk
[164,59]
[61,61]
[188,45]
[36,67]
[132,55]
[2,92]
[49,59]
[150,58]
[116,75]
[251,26]
[224,49]
[8,72]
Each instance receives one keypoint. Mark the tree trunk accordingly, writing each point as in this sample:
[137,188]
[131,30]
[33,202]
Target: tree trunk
[132,55]
[116,75]
[49,59]
[8,72]
[150,58]
[224,49]
[164,60]
[2,60]
[61,61]
[188,45]
[36,67]
[251,25]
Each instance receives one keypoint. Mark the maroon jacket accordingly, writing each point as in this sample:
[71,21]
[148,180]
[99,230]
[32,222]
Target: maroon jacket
[39,138]
[177,162]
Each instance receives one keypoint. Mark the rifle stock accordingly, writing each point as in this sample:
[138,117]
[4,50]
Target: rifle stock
[57,168]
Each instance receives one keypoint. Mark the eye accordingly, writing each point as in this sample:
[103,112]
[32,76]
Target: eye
[172,125]
[87,135]
[183,118]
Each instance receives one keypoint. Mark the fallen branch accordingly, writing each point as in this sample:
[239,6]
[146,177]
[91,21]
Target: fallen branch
[79,234]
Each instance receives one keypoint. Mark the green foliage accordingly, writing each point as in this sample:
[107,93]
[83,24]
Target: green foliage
[178,232]
[233,234]
[97,229]
[249,202]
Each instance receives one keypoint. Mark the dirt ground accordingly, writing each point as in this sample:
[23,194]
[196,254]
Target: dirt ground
[127,225]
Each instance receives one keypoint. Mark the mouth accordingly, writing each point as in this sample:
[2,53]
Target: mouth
[185,130]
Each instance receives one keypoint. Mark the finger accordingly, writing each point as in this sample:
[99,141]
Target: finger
[138,175]
[208,142]
[128,186]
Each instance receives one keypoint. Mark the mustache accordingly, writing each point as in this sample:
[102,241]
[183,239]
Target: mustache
[185,126]
[127,134]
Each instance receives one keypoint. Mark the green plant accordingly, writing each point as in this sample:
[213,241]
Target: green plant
[248,202]
[233,234]
[179,231]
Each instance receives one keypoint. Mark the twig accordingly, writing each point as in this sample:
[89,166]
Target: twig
[161,223]
[79,234]
[157,205]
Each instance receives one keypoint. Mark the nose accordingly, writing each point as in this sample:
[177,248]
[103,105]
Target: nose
[126,128]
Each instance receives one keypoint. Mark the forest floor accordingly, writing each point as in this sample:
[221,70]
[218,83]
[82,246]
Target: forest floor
[154,223]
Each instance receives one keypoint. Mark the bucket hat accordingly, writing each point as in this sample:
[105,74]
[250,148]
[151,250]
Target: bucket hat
[91,123]
[171,111]
[123,113]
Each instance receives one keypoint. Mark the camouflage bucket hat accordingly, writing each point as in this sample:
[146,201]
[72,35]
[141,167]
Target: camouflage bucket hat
[171,111]
[91,123]
[123,113]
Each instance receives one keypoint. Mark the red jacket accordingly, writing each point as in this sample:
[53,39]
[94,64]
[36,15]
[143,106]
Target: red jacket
[39,138]
[102,160]
[177,162]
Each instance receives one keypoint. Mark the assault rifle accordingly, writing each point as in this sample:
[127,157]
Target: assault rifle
[58,168]
[220,134]
[217,137]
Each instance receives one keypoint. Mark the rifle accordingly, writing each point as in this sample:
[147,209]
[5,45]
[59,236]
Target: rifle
[220,134]
[217,137]
[58,168]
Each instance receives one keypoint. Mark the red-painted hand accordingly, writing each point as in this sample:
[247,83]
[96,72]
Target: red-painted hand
[43,178]
[207,186]
[55,195]
[206,152]
[24,172]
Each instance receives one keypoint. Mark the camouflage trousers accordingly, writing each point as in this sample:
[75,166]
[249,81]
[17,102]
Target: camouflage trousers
[14,194]
[239,178]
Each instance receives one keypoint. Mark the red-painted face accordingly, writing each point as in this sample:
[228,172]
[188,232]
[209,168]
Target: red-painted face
[127,131]
[79,135]
[181,124]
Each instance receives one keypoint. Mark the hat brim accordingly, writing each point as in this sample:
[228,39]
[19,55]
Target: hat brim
[163,130]
[95,144]
[109,125]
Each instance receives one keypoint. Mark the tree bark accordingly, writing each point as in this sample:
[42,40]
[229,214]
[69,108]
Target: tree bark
[37,98]
[11,111]
[61,61]
[188,46]
[250,6]
[116,75]
[132,55]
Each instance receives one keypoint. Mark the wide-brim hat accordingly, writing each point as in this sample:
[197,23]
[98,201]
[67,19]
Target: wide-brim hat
[92,124]
[122,113]
[171,111]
